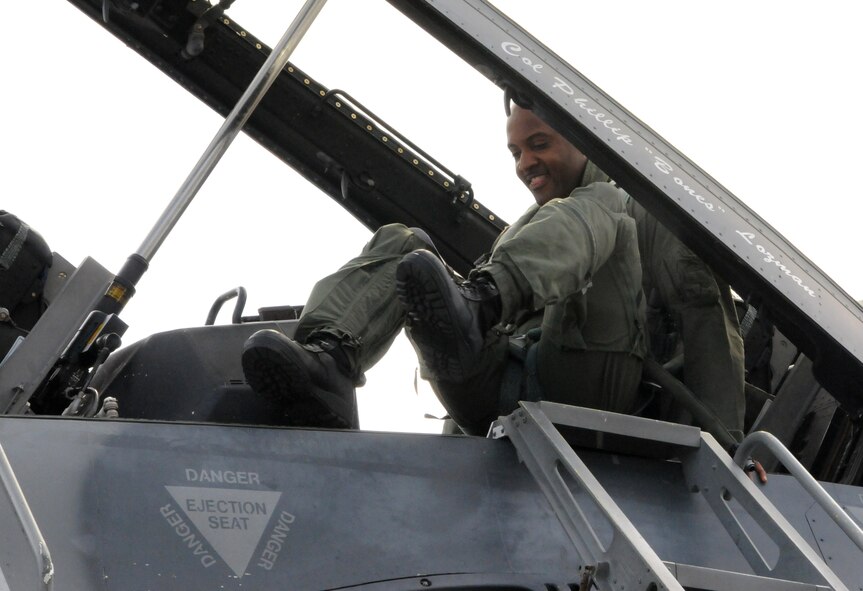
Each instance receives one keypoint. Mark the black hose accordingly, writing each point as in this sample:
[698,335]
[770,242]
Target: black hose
[704,417]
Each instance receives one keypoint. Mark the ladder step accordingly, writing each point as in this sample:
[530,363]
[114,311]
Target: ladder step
[699,577]
[605,537]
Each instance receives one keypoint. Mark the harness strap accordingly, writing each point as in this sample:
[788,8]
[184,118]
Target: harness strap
[520,376]
[14,247]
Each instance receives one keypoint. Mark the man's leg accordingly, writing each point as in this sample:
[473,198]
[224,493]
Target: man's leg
[474,402]
[450,327]
[546,258]
[348,323]
[357,305]
[594,379]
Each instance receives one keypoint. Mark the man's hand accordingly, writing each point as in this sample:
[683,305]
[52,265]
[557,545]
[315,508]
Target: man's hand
[755,469]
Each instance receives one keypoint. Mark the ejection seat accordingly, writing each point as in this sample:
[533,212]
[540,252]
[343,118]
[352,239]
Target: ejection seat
[195,374]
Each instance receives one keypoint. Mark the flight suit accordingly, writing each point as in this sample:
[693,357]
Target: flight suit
[691,311]
[570,267]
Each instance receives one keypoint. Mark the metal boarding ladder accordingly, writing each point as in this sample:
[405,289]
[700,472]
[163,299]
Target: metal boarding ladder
[20,538]
[627,561]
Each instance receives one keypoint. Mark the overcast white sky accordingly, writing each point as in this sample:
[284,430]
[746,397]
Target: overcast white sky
[96,141]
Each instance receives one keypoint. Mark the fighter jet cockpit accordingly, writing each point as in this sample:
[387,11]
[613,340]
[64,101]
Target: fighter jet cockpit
[142,445]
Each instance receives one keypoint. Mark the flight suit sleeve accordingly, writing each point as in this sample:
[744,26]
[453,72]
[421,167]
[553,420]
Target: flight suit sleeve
[553,251]
[703,308]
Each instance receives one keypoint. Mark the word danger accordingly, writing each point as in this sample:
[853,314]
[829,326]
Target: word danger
[187,535]
[276,541]
[222,476]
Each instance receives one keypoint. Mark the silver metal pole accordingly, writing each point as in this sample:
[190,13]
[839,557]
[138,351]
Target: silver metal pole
[803,476]
[231,127]
[12,491]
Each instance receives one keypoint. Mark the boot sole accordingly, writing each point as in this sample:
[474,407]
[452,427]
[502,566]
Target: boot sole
[421,286]
[285,381]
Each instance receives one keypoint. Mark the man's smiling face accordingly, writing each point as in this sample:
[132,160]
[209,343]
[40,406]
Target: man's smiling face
[544,161]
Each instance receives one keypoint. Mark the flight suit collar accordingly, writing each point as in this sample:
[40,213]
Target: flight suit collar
[593,174]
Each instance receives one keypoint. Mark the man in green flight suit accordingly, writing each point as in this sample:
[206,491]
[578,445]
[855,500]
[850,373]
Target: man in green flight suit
[690,309]
[570,265]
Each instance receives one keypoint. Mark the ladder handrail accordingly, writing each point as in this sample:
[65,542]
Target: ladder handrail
[628,559]
[707,470]
[28,522]
[796,469]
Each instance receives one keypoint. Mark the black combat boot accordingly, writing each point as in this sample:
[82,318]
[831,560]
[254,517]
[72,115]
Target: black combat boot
[312,380]
[448,320]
